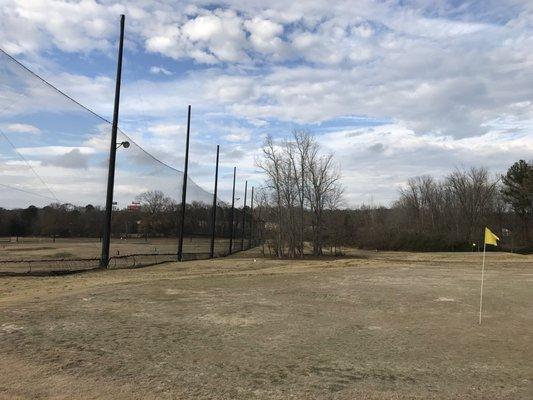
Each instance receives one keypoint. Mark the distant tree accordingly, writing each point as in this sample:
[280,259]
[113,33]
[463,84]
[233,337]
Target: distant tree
[422,200]
[517,185]
[52,219]
[470,195]
[439,214]
[16,226]
[29,217]
[154,201]
[158,212]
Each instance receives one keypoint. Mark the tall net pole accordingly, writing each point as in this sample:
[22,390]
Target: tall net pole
[232,213]
[184,189]
[250,244]
[214,213]
[244,215]
[301,211]
[106,237]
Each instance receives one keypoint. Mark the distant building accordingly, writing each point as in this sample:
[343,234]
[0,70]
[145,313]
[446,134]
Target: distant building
[134,206]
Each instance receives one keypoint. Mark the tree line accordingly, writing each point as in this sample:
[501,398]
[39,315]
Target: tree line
[302,198]
[158,216]
[450,213]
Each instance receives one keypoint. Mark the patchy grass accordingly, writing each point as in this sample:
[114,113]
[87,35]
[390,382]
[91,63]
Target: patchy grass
[378,326]
[27,249]
[33,248]
[60,254]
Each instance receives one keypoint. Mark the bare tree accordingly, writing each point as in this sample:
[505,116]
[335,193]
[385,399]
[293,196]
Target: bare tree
[322,190]
[301,180]
[272,164]
[422,200]
[159,211]
[304,144]
[470,196]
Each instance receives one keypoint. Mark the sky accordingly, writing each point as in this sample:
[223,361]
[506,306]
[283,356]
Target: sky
[394,89]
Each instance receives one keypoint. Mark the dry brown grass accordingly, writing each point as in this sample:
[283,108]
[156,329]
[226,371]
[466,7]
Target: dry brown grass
[33,248]
[374,326]
[41,256]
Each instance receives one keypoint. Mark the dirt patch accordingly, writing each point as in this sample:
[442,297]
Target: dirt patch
[445,299]
[10,328]
[232,320]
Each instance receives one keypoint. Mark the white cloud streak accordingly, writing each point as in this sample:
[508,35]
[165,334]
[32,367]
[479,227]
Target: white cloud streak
[22,128]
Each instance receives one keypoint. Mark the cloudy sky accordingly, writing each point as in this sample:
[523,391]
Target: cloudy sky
[394,88]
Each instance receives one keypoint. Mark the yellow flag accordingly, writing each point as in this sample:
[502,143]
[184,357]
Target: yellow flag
[491,238]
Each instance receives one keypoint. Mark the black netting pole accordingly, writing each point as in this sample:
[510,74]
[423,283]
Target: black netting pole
[184,188]
[232,214]
[244,215]
[106,237]
[251,219]
[214,212]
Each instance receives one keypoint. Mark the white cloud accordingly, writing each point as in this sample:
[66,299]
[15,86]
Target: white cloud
[166,129]
[219,33]
[54,150]
[22,128]
[239,135]
[166,41]
[74,159]
[81,26]
[160,71]
[264,35]
[203,28]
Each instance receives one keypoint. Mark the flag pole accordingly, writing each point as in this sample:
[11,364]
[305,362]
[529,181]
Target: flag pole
[482,276]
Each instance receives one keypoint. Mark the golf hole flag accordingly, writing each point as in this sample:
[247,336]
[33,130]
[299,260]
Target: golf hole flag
[492,239]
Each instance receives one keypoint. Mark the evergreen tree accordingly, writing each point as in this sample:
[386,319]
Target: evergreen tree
[517,192]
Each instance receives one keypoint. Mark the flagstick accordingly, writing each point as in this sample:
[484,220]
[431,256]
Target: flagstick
[482,276]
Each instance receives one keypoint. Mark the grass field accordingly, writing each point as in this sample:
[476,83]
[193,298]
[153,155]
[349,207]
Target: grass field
[46,251]
[27,248]
[369,326]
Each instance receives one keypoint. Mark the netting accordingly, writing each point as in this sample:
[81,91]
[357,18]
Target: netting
[53,177]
